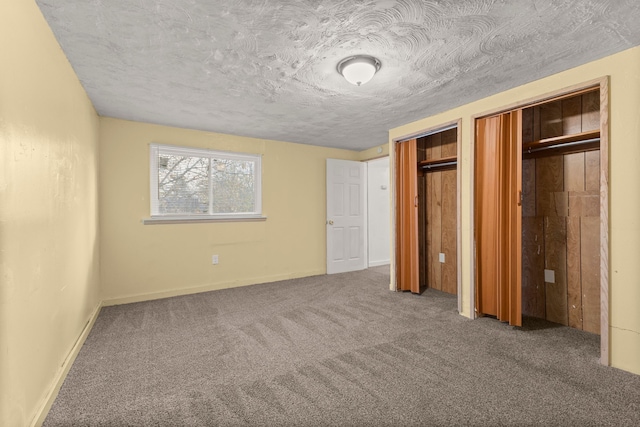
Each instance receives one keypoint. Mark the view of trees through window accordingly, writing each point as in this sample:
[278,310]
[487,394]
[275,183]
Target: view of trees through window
[203,185]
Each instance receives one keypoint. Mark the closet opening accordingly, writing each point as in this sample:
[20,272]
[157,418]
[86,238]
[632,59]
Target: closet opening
[437,206]
[561,211]
[541,209]
[427,181]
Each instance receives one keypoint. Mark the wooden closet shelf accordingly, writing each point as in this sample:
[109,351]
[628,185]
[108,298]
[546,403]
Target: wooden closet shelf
[559,140]
[566,144]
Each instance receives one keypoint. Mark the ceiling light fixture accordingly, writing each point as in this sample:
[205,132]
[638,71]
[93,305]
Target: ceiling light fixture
[358,69]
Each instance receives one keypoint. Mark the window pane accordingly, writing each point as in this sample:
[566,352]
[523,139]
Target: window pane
[233,185]
[183,184]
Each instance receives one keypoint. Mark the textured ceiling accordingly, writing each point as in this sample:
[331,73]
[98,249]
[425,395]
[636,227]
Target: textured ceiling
[267,69]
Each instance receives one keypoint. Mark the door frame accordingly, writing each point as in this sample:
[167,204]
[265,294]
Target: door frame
[603,84]
[392,176]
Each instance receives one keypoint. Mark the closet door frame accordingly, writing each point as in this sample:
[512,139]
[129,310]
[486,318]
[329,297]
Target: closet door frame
[430,130]
[602,84]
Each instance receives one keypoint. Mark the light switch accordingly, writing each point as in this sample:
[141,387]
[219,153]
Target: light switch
[549,276]
[441,257]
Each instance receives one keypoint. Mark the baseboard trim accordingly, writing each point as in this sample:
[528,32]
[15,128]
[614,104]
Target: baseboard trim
[44,409]
[379,263]
[207,288]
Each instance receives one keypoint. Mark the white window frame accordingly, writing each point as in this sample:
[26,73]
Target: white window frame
[158,218]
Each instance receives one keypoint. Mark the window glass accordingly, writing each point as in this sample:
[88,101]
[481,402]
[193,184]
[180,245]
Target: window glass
[195,182]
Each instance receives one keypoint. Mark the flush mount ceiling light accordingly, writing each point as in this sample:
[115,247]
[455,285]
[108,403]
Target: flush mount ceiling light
[358,69]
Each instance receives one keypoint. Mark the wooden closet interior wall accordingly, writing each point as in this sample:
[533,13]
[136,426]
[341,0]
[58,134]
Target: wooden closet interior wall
[437,164]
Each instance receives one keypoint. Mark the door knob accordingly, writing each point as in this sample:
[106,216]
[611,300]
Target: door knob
[330,222]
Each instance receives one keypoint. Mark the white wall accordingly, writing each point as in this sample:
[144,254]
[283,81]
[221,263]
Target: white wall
[379,211]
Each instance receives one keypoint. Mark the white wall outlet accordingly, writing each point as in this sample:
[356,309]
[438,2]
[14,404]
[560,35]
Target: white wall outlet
[214,259]
[549,276]
[441,257]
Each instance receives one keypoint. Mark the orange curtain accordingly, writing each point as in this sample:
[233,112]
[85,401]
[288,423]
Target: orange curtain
[407,263]
[498,182]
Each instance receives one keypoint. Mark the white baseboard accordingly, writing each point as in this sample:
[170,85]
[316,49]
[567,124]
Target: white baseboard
[378,263]
[207,288]
[41,414]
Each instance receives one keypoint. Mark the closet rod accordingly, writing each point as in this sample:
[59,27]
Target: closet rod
[439,165]
[562,145]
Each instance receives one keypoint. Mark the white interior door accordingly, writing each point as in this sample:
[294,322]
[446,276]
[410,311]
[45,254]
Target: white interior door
[346,216]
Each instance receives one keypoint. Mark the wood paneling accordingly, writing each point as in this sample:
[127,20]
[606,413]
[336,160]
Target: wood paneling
[566,249]
[590,270]
[536,123]
[571,115]
[555,238]
[435,230]
[574,273]
[592,171]
[449,241]
[528,187]
[574,172]
[434,146]
[440,214]
[527,126]
[533,286]
[549,181]
[570,246]
[562,191]
[591,111]
[584,203]
[449,143]
[551,119]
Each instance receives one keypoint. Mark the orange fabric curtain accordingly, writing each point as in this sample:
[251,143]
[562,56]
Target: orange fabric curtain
[407,262]
[498,182]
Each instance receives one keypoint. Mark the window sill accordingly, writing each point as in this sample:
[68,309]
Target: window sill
[154,220]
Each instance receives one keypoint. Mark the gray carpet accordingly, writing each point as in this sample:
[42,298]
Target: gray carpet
[335,350]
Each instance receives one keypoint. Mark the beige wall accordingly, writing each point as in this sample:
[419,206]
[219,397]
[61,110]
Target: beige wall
[374,153]
[149,261]
[48,211]
[624,221]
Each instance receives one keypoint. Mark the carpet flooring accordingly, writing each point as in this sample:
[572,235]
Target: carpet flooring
[337,350]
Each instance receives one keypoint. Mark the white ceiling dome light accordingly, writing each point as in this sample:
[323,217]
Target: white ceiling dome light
[358,69]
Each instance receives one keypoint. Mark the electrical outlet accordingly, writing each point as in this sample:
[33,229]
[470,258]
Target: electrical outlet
[441,258]
[549,276]
[214,259]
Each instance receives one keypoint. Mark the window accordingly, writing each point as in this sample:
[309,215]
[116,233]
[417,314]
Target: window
[190,183]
